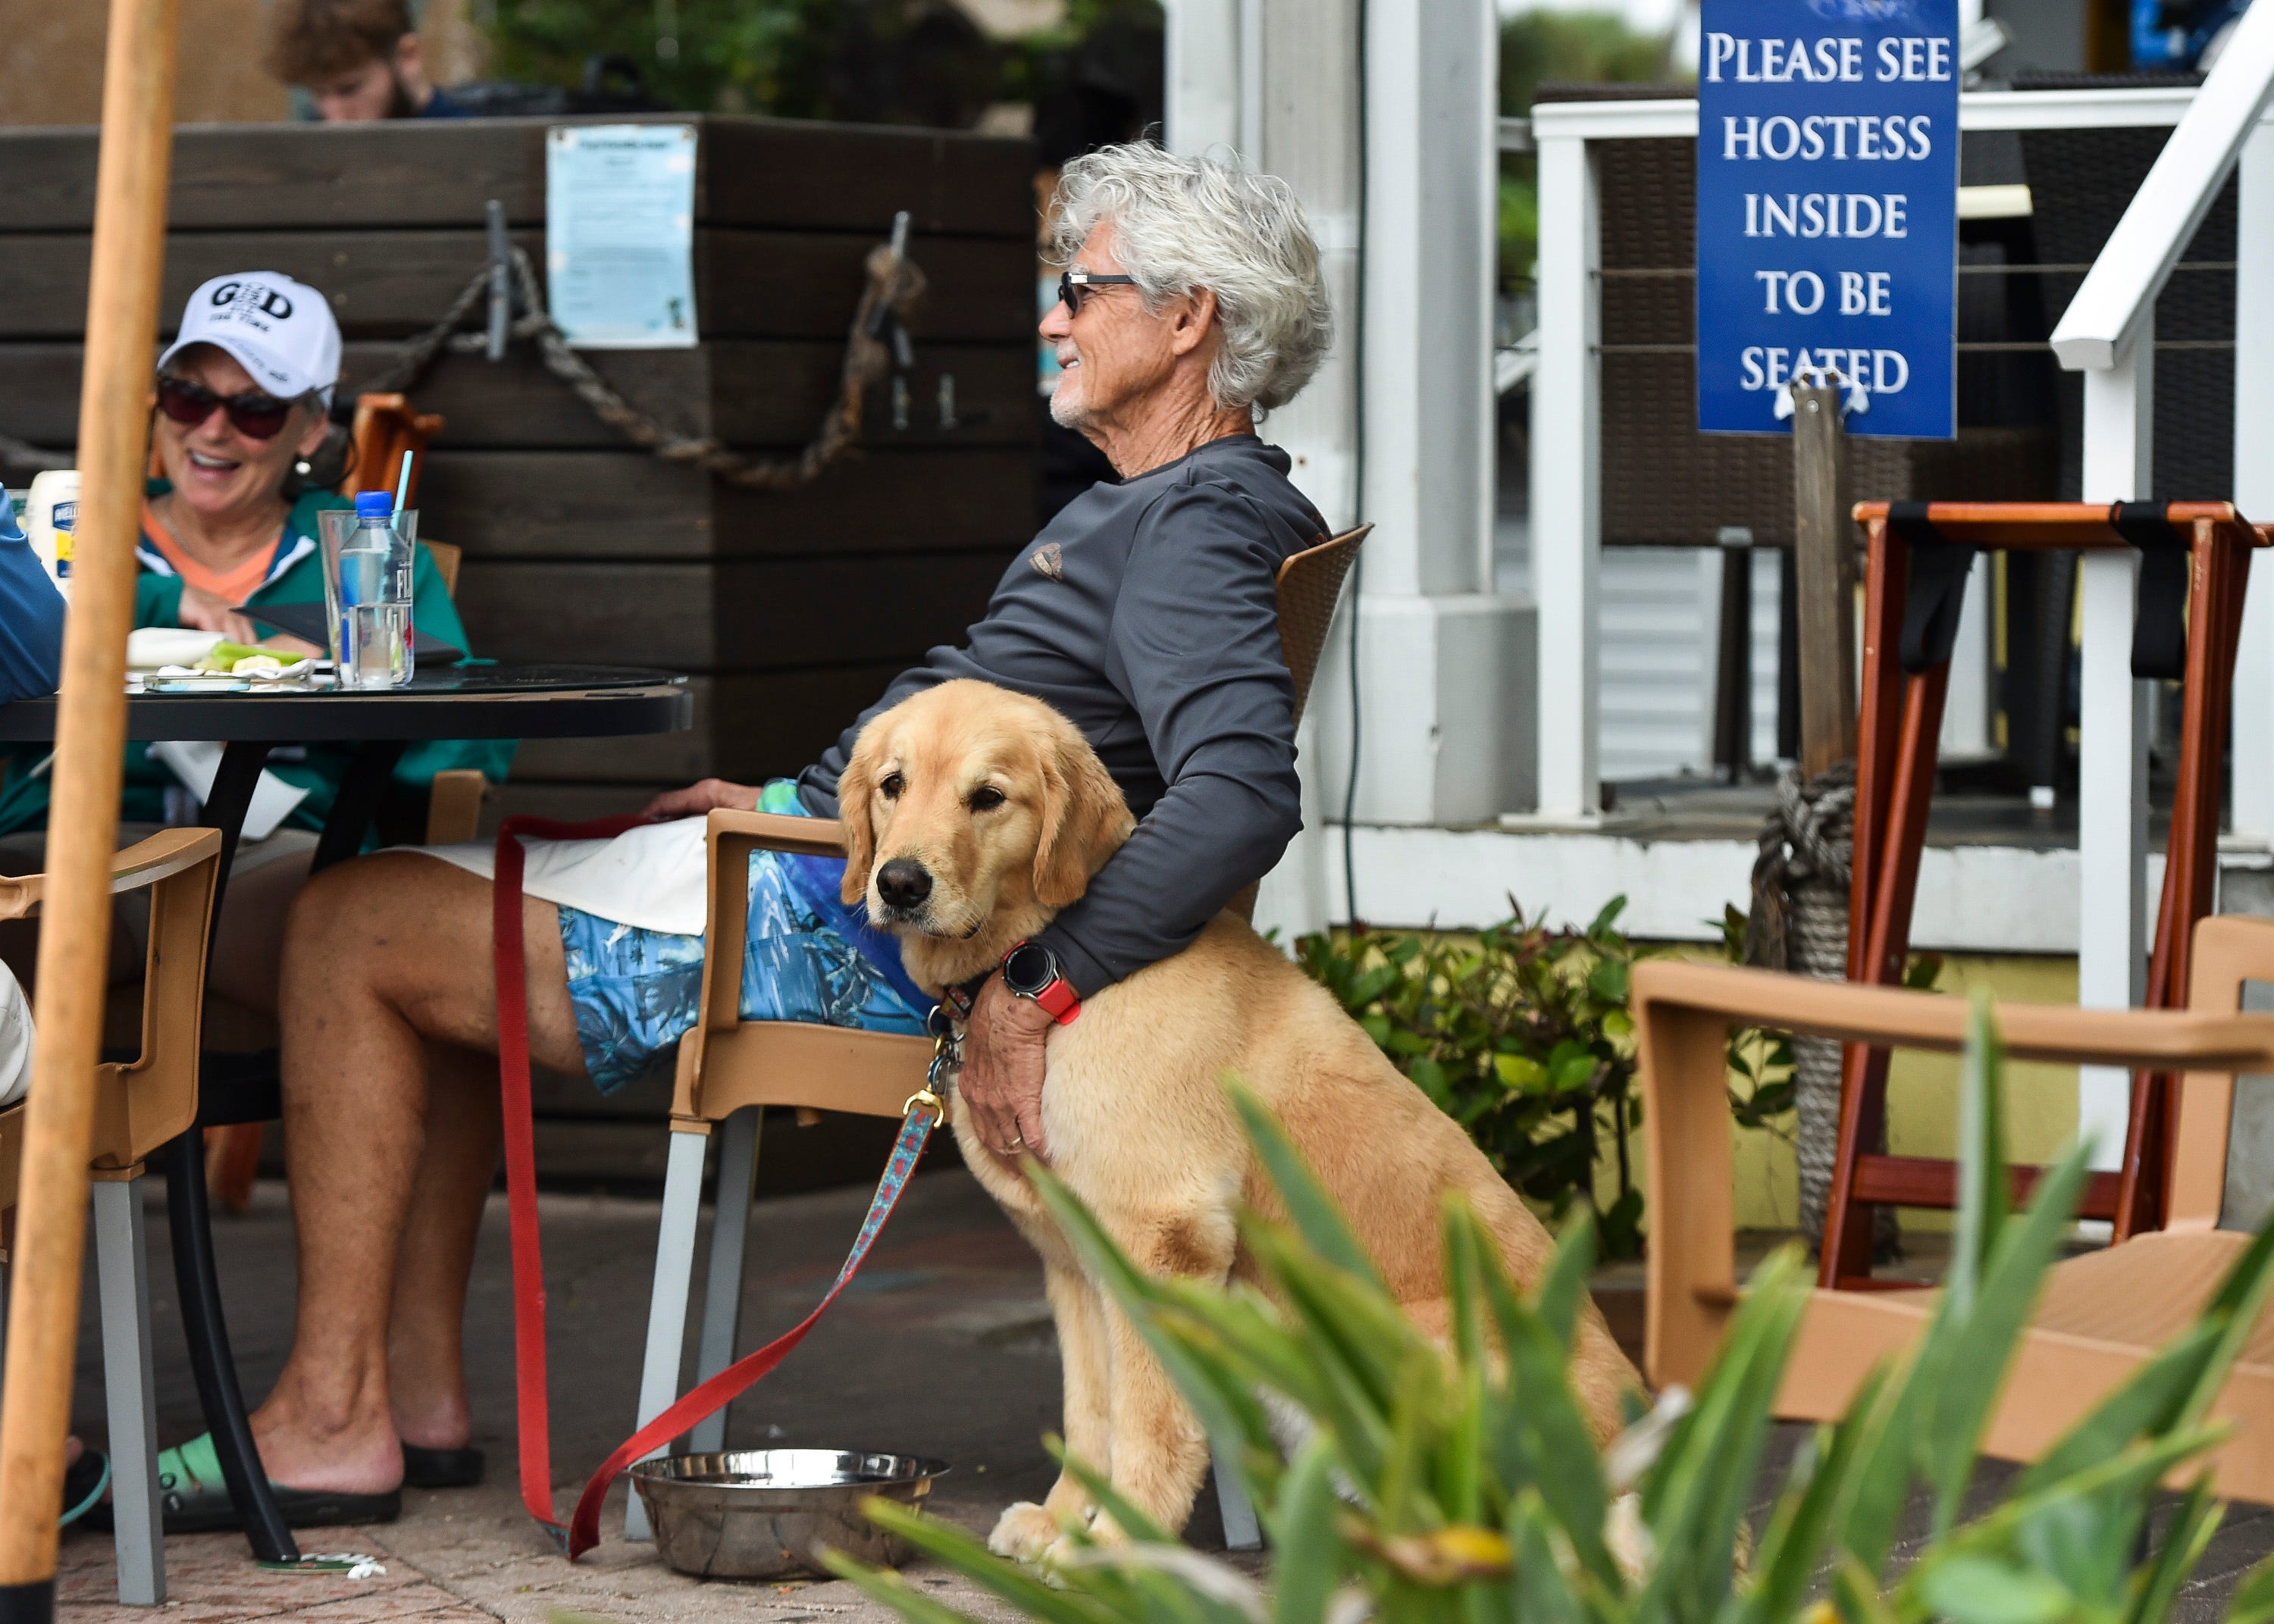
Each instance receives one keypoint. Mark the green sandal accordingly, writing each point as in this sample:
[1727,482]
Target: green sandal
[85,1482]
[196,1499]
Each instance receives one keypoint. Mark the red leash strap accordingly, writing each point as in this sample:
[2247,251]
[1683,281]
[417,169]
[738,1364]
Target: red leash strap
[727,1385]
[534,1409]
[925,1112]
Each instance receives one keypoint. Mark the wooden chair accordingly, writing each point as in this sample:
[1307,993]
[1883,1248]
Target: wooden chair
[2100,1313]
[139,1105]
[453,802]
[385,428]
[2196,561]
[730,1069]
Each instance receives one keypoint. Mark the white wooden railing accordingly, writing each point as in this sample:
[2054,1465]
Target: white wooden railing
[2106,333]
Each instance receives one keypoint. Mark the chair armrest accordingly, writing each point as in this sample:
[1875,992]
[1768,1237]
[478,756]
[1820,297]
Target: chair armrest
[2157,1039]
[779,831]
[145,863]
[1682,1014]
[730,838]
[454,806]
[180,867]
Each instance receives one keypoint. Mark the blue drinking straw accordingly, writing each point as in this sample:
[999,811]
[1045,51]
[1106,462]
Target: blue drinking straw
[402,488]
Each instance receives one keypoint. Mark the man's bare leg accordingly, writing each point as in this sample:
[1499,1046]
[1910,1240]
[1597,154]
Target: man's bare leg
[425,1340]
[385,958]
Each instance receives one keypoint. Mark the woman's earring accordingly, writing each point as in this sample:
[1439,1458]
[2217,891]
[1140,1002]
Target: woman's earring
[301,468]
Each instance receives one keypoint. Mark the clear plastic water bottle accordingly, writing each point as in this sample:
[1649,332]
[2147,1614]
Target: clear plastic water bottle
[375,573]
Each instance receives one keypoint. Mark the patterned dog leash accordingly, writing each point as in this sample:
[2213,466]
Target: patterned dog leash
[925,1111]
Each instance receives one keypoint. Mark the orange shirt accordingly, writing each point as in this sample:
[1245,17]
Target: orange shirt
[232,586]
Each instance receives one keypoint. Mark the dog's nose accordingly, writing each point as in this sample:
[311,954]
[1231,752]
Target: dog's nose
[903,883]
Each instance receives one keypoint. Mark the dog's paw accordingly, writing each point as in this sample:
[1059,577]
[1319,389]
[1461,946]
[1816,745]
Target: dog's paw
[1105,1532]
[1072,1551]
[1024,1532]
[1628,1538]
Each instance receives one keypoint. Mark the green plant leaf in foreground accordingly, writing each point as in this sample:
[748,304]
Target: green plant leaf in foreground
[1457,1481]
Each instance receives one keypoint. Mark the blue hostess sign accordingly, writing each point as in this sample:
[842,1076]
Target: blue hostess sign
[1828,210]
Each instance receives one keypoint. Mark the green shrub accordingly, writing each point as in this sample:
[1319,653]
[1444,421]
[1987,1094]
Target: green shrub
[1522,1036]
[1461,1486]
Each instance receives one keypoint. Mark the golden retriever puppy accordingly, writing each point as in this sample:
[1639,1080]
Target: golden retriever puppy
[1000,803]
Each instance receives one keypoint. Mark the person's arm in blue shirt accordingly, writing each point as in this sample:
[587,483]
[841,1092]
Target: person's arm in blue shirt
[31,616]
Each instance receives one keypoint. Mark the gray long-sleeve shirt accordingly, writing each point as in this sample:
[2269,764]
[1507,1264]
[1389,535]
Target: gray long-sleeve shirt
[1147,612]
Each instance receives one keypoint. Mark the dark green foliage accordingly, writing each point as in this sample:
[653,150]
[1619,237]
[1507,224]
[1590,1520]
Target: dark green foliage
[1540,47]
[1522,1037]
[1460,1485]
[919,62]
[1582,47]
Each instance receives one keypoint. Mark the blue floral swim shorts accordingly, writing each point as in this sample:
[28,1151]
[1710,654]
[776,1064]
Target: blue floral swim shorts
[805,959]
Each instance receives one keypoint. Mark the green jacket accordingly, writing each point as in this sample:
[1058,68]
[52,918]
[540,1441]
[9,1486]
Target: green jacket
[296,576]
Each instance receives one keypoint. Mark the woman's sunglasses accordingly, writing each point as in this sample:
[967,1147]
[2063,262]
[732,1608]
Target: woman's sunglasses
[1074,281]
[252,414]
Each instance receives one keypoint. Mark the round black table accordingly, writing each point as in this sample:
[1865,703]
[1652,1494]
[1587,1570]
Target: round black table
[463,702]
[458,702]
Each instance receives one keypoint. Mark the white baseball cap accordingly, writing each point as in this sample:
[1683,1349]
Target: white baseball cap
[279,330]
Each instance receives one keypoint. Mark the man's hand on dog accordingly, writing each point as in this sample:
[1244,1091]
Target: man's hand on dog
[1002,1079]
[696,799]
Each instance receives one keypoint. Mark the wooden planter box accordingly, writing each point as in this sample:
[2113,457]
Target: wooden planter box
[791,611]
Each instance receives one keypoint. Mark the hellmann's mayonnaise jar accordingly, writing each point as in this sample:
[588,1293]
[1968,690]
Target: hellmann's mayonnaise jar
[50,518]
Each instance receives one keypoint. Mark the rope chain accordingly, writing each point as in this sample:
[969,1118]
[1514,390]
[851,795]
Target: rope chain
[894,285]
[1799,923]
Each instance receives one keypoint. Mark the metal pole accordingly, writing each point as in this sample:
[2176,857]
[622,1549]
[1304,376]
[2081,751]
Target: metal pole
[122,325]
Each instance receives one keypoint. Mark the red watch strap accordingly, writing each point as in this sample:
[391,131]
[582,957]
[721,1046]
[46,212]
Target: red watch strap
[1060,1001]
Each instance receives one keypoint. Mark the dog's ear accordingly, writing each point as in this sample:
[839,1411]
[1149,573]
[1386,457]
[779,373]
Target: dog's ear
[1085,820]
[853,794]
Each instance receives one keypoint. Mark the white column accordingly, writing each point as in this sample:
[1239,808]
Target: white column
[1444,663]
[1300,69]
[1567,479]
[2254,482]
[1201,75]
[2112,744]
[1967,733]
[1431,165]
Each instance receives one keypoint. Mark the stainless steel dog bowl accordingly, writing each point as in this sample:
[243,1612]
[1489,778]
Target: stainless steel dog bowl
[756,1513]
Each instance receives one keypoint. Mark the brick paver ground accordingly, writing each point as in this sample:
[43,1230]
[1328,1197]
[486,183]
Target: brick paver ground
[942,1347]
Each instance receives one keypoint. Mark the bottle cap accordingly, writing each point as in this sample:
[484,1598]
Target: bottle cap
[370,502]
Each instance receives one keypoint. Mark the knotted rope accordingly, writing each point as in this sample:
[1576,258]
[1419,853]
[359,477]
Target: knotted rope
[893,287]
[1799,923]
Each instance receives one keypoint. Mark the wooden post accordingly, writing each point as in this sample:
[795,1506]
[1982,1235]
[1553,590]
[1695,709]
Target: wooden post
[121,326]
[1733,658]
[1825,543]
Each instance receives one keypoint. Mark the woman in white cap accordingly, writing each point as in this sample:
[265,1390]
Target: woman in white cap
[247,452]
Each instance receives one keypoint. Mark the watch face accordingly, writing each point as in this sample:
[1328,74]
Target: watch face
[1028,969]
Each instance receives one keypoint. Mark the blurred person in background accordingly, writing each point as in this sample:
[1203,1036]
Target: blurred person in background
[359,61]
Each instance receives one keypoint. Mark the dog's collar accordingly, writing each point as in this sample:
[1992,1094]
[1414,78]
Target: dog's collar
[961,998]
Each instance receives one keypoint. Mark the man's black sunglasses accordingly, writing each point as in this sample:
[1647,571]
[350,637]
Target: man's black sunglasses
[1073,280]
[252,414]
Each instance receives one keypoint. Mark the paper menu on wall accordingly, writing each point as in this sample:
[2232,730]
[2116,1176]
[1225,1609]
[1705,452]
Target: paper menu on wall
[620,235]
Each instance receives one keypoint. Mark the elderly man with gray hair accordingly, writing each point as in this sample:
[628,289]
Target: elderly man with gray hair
[1145,612]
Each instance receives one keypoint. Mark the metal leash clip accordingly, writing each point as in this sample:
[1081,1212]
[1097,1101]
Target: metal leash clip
[946,1060]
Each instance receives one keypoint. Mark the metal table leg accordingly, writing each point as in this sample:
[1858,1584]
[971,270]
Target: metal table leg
[358,802]
[188,1217]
